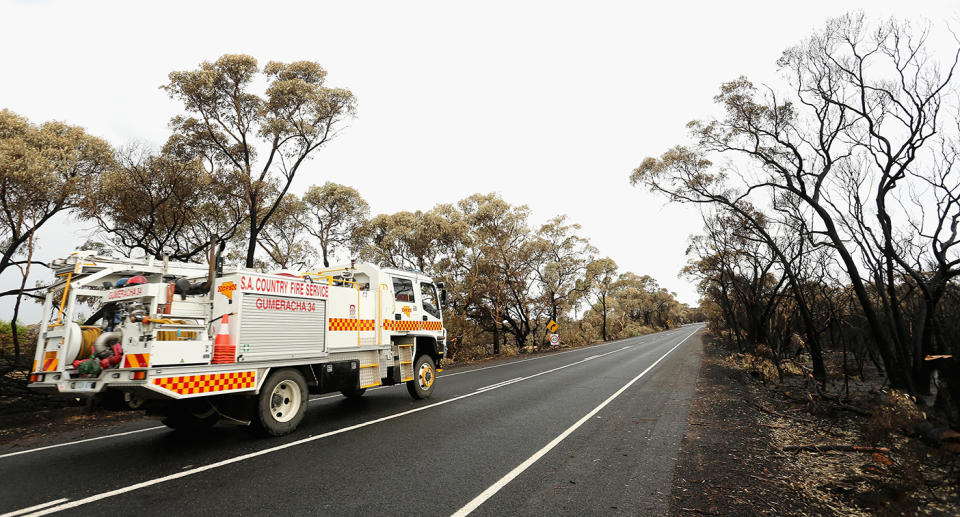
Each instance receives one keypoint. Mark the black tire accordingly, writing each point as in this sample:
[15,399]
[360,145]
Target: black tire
[424,378]
[190,416]
[282,402]
[353,393]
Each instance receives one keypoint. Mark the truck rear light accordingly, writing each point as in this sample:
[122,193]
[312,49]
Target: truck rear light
[138,375]
[36,377]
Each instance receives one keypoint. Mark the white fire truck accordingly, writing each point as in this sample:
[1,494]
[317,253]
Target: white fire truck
[194,345]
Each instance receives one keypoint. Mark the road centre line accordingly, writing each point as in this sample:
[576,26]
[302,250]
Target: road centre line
[32,508]
[159,427]
[497,385]
[243,457]
[547,356]
[510,476]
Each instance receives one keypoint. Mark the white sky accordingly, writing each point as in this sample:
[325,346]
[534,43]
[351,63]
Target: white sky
[550,104]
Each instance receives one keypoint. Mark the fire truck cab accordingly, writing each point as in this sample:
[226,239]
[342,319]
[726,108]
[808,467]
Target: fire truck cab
[195,347]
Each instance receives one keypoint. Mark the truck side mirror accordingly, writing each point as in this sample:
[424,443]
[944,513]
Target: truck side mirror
[443,297]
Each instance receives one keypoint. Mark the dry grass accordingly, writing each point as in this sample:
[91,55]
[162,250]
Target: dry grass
[912,479]
[761,365]
[895,412]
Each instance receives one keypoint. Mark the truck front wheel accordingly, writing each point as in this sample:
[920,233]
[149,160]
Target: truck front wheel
[282,402]
[424,378]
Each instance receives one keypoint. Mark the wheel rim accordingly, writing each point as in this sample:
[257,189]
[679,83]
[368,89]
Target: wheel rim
[425,376]
[285,401]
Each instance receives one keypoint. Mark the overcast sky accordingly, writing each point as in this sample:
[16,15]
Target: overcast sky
[549,104]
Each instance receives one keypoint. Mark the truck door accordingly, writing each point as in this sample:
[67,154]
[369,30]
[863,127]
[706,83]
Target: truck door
[405,307]
[432,322]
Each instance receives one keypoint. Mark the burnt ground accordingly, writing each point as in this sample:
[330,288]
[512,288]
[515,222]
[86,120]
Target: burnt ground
[732,459]
[26,417]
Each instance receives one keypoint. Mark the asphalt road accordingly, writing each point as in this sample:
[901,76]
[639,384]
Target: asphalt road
[589,431]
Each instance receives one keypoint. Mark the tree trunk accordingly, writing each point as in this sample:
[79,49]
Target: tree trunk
[252,245]
[15,336]
[603,329]
[948,391]
[894,369]
[923,340]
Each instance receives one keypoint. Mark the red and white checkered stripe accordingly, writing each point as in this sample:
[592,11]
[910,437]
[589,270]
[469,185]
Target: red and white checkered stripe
[193,384]
[352,324]
[408,326]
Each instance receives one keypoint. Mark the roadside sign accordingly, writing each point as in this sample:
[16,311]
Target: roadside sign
[554,339]
[553,326]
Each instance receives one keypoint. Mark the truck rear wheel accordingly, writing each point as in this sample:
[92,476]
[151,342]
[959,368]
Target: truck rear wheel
[424,378]
[282,402]
[190,415]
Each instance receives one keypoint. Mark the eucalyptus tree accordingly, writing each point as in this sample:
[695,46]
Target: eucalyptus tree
[865,101]
[259,140]
[600,276]
[45,170]
[336,212]
[562,270]
[284,238]
[159,204]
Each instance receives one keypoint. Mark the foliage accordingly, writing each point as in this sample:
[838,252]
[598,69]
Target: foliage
[44,170]
[282,238]
[335,215]
[257,141]
[155,204]
[831,210]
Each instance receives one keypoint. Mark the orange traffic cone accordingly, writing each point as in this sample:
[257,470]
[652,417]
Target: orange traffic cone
[223,351]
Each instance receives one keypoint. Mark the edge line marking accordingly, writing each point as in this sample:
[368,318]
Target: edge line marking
[510,476]
[262,452]
[34,507]
[158,427]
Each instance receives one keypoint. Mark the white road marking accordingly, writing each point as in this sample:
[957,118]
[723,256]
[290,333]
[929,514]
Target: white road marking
[114,435]
[497,385]
[510,476]
[237,459]
[552,354]
[336,395]
[157,428]
[32,508]
[81,441]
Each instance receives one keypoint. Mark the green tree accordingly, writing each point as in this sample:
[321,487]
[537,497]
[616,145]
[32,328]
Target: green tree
[404,240]
[283,237]
[162,204]
[336,213]
[562,267]
[601,275]
[259,141]
[44,171]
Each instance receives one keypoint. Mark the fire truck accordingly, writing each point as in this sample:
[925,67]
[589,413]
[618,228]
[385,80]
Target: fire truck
[195,345]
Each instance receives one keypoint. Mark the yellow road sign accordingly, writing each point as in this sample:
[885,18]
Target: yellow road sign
[552,326]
